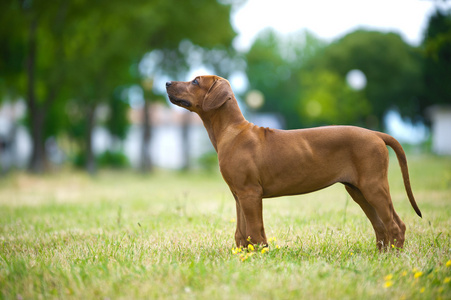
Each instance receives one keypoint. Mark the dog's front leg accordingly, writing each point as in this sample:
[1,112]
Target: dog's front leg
[240,233]
[250,210]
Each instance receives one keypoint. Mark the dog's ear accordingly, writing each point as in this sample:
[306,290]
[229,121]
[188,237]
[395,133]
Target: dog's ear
[219,92]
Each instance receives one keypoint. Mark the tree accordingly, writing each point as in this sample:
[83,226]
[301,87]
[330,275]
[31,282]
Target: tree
[392,69]
[183,43]
[33,52]
[437,62]
[274,63]
[81,51]
[99,62]
[12,51]
[326,99]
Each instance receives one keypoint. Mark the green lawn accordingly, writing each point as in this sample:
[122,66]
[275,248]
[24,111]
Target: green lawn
[168,235]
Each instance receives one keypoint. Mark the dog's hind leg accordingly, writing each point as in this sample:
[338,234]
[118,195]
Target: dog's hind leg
[378,196]
[370,212]
[401,238]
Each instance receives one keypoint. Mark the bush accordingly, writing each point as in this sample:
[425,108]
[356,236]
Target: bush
[113,159]
[209,161]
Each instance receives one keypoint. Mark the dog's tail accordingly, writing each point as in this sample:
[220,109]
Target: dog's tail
[400,154]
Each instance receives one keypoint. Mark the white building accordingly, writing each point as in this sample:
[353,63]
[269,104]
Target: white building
[15,142]
[441,129]
[166,144]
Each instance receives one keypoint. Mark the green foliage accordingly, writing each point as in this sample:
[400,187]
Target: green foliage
[83,50]
[79,159]
[437,62]
[12,51]
[117,121]
[274,64]
[392,69]
[17,19]
[107,159]
[209,161]
[301,72]
[326,97]
[113,159]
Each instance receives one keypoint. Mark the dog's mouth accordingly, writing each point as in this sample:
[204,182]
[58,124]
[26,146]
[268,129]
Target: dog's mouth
[179,102]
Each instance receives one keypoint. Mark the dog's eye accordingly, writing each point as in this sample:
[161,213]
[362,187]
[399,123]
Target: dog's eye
[195,82]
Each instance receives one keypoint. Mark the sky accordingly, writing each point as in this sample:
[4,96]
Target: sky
[331,19]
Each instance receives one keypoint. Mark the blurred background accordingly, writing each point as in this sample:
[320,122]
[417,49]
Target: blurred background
[82,82]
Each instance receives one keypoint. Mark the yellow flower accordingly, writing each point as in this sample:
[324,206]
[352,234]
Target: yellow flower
[388,277]
[250,247]
[277,247]
[404,273]
[264,250]
[245,256]
[418,274]
[236,250]
[351,253]
[232,220]
[272,239]
[388,284]
[448,263]
[447,279]
[422,290]
[249,238]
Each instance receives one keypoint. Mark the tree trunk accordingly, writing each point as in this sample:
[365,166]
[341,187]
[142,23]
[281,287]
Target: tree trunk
[90,157]
[185,142]
[38,163]
[146,162]
[36,112]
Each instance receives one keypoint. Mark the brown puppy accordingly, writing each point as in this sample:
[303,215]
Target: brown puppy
[260,163]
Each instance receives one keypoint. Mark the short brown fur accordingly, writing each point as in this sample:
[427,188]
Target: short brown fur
[260,163]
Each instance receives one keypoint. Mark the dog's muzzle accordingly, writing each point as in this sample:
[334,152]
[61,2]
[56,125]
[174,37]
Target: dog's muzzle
[179,102]
[175,100]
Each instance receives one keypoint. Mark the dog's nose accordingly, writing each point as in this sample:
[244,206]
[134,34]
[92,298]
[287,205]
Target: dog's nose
[168,84]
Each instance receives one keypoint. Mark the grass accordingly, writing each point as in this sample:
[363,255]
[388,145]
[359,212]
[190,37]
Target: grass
[168,235]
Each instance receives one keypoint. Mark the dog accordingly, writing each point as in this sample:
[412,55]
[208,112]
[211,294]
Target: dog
[259,162]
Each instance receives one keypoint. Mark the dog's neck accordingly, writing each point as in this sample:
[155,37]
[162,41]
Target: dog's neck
[222,121]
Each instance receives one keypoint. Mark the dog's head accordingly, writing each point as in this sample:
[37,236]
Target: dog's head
[203,94]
